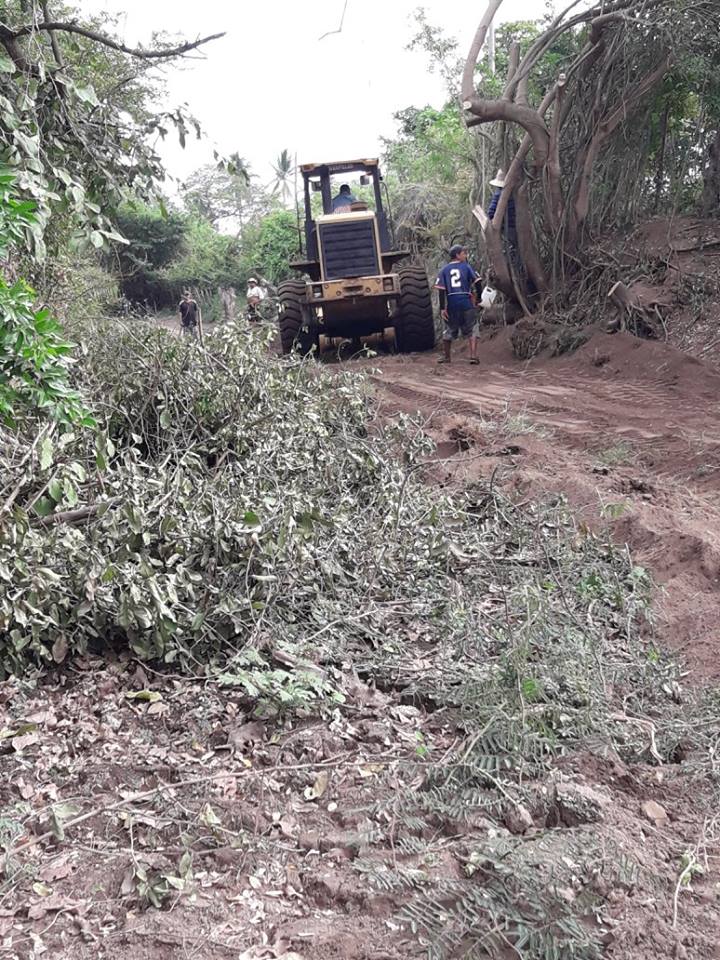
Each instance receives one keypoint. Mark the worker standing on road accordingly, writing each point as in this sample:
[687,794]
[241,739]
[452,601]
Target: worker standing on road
[255,295]
[456,285]
[189,312]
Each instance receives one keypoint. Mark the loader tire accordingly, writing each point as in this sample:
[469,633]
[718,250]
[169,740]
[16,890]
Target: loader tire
[298,330]
[415,324]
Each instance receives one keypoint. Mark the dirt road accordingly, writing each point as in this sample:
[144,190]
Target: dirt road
[627,430]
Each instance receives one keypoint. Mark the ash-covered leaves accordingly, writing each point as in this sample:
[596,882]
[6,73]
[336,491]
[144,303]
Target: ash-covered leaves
[238,514]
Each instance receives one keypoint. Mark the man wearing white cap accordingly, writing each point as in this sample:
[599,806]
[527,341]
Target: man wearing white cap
[509,230]
[255,295]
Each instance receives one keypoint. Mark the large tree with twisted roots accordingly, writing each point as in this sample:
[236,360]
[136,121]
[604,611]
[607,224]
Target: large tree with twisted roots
[575,143]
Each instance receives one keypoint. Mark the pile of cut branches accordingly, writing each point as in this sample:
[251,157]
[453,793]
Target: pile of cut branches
[245,519]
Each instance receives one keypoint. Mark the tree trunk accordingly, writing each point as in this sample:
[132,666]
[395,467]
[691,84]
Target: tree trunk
[492,235]
[620,112]
[527,244]
[660,171]
[710,203]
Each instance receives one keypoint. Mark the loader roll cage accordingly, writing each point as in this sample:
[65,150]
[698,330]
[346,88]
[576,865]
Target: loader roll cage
[316,179]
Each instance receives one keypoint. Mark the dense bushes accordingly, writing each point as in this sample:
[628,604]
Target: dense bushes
[168,251]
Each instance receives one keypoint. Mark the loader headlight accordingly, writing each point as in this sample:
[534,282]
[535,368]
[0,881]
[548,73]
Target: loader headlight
[388,283]
[317,292]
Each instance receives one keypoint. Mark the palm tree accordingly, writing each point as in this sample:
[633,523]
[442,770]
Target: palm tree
[283,168]
[238,166]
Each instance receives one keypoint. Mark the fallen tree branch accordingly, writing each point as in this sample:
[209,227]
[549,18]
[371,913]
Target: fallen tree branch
[331,763]
[74,516]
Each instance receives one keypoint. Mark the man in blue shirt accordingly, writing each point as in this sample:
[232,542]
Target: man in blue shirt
[509,227]
[341,203]
[509,232]
[456,286]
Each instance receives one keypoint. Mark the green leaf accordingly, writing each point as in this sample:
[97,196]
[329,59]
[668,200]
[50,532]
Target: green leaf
[44,507]
[116,237]
[87,95]
[209,817]
[46,453]
[175,882]
[70,492]
[6,63]
[185,865]
[78,471]
[97,239]
[55,489]
[252,521]
[60,649]
[147,696]
[59,815]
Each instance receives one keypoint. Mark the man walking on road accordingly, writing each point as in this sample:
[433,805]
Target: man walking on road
[456,285]
[189,314]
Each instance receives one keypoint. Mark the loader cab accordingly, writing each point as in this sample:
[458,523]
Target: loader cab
[372,228]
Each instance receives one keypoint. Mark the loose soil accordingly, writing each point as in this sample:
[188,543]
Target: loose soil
[627,430]
[676,263]
[280,820]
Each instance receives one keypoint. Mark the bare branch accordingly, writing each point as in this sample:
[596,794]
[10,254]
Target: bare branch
[485,111]
[339,29]
[6,34]
[627,104]
[57,53]
[553,170]
[468,78]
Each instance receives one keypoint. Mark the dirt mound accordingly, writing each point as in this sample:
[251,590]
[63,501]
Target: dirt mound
[678,260]
[628,430]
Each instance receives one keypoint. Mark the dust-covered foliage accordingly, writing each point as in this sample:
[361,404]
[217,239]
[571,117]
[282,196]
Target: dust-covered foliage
[248,521]
[531,648]
[225,499]
[200,457]
[168,251]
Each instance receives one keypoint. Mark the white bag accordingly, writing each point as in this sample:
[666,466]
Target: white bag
[487,297]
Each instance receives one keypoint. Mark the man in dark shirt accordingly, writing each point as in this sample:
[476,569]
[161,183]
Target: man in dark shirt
[188,315]
[456,285]
[509,227]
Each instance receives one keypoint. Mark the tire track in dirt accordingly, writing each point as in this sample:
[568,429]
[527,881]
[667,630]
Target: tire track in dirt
[628,431]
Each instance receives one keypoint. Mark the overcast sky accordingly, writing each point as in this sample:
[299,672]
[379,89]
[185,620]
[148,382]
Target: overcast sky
[271,83]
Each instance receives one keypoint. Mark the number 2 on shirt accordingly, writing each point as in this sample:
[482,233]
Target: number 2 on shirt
[455,280]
